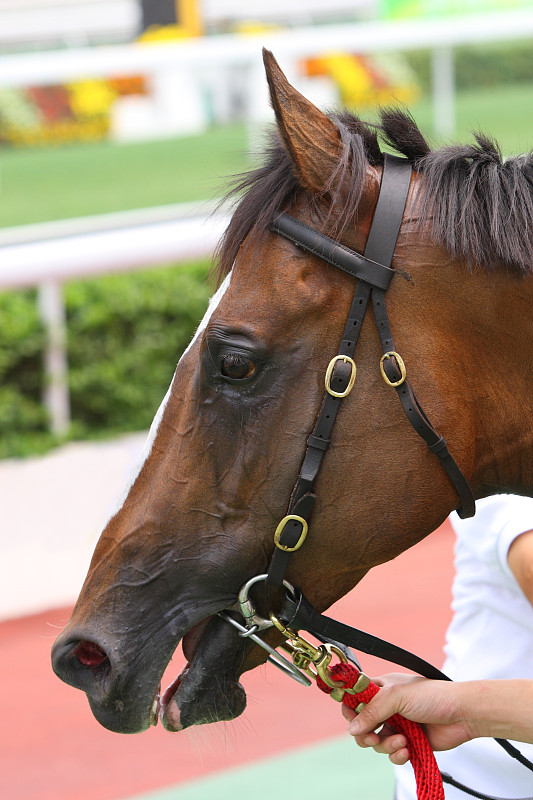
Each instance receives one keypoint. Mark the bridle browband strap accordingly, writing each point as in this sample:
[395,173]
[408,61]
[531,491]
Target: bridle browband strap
[374,274]
[334,253]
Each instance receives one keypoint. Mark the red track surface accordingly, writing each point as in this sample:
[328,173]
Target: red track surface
[51,748]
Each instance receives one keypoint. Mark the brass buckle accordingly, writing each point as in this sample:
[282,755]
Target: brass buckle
[403,371]
[315,661]
[305,655]
[281,528]
[329,372]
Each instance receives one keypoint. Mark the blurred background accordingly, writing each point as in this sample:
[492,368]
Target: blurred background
[119,122]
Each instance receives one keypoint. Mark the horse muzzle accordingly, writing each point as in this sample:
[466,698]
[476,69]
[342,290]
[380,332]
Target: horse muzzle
[124,687]
[93,666]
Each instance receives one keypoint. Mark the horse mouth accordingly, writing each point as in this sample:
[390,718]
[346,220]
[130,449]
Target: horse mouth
[164,705]
[207,689]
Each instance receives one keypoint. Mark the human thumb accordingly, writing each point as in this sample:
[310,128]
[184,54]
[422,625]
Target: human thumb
[369,718]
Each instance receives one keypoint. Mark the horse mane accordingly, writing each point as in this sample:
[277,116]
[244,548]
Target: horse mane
[480,206]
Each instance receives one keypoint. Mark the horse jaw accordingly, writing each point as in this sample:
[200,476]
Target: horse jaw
[208,689]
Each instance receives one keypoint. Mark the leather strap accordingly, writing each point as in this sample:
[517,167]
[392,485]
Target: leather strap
[371,273]
[374,273]
[302,498]
[297,613]
[388,213]
[415,413]
[338,255]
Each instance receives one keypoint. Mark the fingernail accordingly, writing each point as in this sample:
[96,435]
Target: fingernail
[354,727]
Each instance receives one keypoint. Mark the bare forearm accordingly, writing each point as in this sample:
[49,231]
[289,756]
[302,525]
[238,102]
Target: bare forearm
[452,713]
[499,708]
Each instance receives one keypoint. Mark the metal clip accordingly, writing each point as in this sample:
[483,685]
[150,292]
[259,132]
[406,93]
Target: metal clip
[315,661]
[254,623]
[276,658]
[247,608]
[307,662]
[307,654]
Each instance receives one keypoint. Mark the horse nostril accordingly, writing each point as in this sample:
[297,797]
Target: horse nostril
[80,662]
[89,654]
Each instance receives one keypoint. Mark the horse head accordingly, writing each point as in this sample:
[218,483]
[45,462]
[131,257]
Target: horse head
[227,443]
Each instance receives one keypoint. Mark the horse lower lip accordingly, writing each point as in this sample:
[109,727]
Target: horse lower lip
[168,696]
[208,689]
[189,646]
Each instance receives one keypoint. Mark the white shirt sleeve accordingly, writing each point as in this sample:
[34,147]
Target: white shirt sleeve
[499,520]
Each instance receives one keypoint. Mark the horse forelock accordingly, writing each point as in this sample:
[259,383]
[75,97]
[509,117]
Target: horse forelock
[480,206]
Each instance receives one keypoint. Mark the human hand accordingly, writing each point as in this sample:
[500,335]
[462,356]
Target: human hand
[435,704]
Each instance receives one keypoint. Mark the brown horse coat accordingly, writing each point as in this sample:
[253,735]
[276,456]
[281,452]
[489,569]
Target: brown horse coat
[227,444]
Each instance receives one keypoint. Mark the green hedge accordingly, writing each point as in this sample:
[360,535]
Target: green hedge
[125,335]
[482,65]
[21,372]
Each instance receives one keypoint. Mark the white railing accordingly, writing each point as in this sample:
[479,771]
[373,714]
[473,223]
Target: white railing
[69,249]
[213,54]
[233,49]
[34,23]
[49,254]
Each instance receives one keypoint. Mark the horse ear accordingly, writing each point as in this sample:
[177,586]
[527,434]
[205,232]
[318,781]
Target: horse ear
[312,139]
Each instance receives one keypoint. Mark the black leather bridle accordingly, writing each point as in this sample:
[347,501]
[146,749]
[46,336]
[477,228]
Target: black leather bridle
[374,275]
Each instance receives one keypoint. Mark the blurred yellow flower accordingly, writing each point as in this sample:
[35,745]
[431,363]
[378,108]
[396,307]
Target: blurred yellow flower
[91,97]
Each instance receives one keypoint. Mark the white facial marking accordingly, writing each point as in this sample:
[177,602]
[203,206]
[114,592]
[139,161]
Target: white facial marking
[147,449]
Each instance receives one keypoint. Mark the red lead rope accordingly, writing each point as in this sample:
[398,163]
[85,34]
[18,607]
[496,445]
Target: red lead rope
[428,779]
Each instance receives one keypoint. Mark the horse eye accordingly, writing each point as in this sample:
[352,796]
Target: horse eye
[237,367]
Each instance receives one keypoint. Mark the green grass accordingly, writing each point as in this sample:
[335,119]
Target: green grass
[504,112]
[56,183]
[38,185]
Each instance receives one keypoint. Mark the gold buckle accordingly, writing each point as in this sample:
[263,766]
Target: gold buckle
[281,527]
[305,655]
[315,661]
[329,371]
[401,364]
